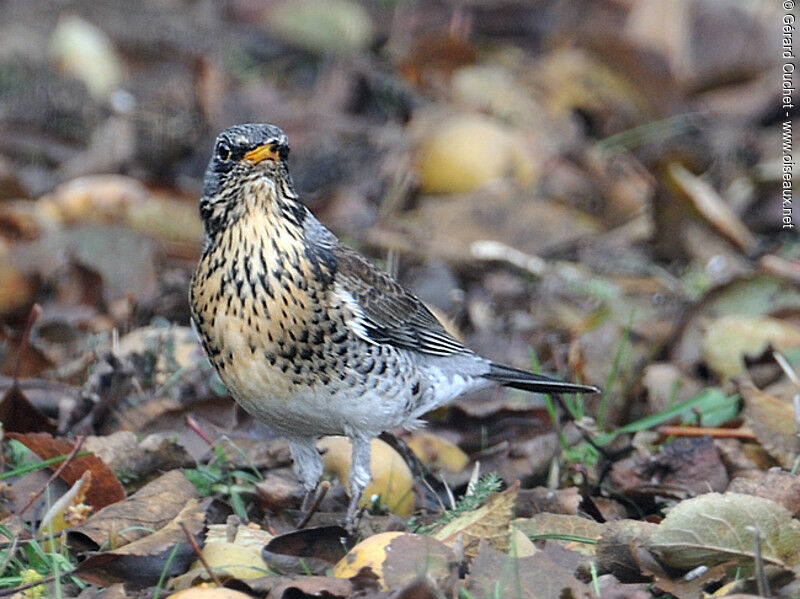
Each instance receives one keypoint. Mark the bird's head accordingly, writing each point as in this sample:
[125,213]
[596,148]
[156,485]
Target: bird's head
[247,161]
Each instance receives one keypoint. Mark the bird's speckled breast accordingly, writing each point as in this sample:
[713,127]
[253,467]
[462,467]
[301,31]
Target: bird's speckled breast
[258,307]
[278,336]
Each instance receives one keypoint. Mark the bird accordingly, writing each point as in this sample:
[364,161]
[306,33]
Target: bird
[309,336]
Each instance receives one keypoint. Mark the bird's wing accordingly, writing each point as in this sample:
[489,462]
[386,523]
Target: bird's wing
[384,312]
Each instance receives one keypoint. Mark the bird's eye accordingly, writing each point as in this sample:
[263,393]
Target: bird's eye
[223,151]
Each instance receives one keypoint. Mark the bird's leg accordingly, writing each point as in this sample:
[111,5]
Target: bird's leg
[359,477]
[307,466]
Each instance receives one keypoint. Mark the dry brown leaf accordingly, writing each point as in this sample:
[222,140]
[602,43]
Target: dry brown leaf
[313,586]
[541,499]
[105,488]
[204,592]
[617,548]
[146,511]
[123,452]
[549,573]
[544,525]
[773,422]
[306,550]
[713,207]
[490,522]
[18,414]
[683,468]
[398,558]
[142,562]
[730,339]
[775,484]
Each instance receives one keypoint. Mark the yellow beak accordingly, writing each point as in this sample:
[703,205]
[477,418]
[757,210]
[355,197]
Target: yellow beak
[261,153]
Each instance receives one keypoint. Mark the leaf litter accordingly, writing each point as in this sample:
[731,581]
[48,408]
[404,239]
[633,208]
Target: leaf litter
[587,191]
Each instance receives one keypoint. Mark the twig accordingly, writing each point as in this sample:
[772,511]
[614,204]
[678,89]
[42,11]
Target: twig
[195,426]
[761,575]
[702,431]
[36,583]
[78,443]
[199,555]
[36,310]
[319,494]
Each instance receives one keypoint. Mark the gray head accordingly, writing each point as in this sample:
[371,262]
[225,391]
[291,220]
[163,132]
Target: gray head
[242,153]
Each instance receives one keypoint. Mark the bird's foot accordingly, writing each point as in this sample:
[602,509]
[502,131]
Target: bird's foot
[353,514]
[311,502]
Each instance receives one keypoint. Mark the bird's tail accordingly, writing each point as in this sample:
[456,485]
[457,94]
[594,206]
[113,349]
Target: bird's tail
[535,383]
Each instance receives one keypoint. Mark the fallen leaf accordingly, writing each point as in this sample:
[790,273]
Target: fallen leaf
[716,528]
[148,510]
[136,459]
[683,468]
[313,586]
[279,490]
[398,558]
[545,526]
[20,415]
[142,562]
[94,199]
[105,487]
[490,522]
[16,290]
[308,549]
[203,592]
[730,339]
[542,499]
[775,484]
[616,550]
[547,574]
[773,422]
[758,295]
[713,207]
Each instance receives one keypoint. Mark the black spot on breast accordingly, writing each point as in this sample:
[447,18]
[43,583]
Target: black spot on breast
[415,388]
[366,366]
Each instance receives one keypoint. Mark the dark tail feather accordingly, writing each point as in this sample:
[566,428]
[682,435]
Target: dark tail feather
[535,383]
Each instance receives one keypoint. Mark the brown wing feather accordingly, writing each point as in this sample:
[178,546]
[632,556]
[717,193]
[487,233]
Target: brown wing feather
[391,313]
